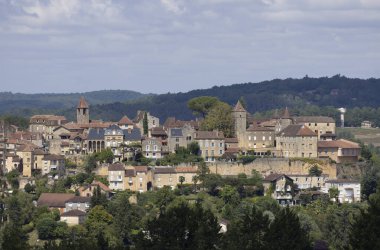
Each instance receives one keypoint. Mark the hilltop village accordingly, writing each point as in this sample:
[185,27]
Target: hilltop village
[52,142]
[78,168]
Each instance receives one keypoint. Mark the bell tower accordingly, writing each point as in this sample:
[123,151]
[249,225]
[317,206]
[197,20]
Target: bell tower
[240,117]
[83,112]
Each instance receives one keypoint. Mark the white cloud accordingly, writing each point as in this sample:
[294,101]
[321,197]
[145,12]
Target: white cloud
[173,6]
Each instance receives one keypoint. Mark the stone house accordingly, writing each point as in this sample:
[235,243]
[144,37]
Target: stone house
[154,148]
[45,124]
[211,144]
[169,176]
[114,139]
[279,187]
[180,137]
[152,120]
[53,163]
[319,124]
[349,190]
[88,189]
[138,179]
[126,123]
[73,217]
[78,203]
[54,200]
[307,181]
[297,141]
[116,174]
[340,151]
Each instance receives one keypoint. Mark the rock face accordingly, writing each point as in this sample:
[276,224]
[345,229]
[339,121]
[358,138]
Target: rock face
[265,166]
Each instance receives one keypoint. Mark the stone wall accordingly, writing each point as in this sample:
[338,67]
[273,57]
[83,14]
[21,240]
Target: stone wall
[266,166]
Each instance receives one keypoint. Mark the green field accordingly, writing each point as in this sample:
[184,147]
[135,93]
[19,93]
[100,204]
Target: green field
[366,135]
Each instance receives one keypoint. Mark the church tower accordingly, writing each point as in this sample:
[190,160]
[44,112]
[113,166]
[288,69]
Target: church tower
[83,112]
[240,117]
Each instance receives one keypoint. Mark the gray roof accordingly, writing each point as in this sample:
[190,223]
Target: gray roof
[95,134]
[116,167]
[176,132]
[314,119]
[73,213]
[79,199]
[112,128]
[132,134]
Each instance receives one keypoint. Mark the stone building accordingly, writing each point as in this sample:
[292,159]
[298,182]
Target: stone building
[297,141]
[45,124]
[83,112]
[211,144]
[321,125]
[341,151]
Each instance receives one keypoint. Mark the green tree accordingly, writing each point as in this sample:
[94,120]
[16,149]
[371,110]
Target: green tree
[366,227]
[98,198]
[334,194]
[145,123]
[125,217]
[285,232]
[46,227]
[220,118]
[181,227]
[90,163]
[315,171]
[202,105]
[106,156]
[247,231]
[193,147]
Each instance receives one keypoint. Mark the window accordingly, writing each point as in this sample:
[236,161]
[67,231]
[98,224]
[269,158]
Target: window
[254,138]
[212,144]
[155,147]
[177,139]
[221,152]
[141,179]
[221,144]
[147,148]
[263,138]
[170,179]
[119,177]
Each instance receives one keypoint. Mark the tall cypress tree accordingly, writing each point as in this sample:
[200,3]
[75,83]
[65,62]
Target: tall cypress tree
[145,123]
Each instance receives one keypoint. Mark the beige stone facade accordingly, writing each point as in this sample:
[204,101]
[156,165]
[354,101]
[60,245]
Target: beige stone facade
[318,124]
[211,144]
[340,151]
[297,141]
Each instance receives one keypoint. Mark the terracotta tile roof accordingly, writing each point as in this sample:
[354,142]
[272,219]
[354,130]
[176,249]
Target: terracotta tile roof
[296,130]
[103,186]
[27,148]
[202,135]
[239,108]
[343,181]
[253,128]
[233,150]
[116,167]
[141,169]
[39,151]
[191,169]
[54,199]
[231,140]
[338,144]
[314,119]
[158,131]
[164,170]
[73,213]
[82,103]
[125,121]
[79,199]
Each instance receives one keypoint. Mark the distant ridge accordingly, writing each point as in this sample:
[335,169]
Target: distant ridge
[336,91]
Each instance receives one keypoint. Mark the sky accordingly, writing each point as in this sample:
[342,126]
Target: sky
[160,46]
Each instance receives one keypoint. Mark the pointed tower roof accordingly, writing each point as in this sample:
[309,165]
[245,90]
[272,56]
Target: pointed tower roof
[286,114]
[82,103]
[125,121]
[239,107]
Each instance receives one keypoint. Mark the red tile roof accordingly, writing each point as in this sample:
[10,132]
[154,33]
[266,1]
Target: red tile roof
[82,103]
[54,199]
[125,121]
[338,144]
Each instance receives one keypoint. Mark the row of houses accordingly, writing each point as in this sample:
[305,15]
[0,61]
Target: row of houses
[287,189]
